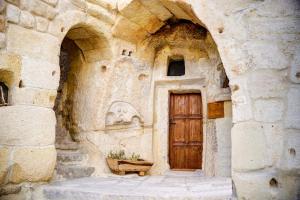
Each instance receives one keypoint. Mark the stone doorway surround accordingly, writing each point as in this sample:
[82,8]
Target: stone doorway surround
[161,123]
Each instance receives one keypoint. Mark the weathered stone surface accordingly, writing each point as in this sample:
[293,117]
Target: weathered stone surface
[51,2]
[158,9]
[2,40]
[184,185]
[146,19]
[12,13]
[241,102]
[290,158]
[39,73]
[15,2]
[32,96]
[27,125]
[295,67]
[39,8]
[268,110]
[2,23]
[30,44]
[41,24]
[249,148]
[266,84]
[4,164]
[256,183]
[261,54]
[40,167]
[26,20]
[292,118]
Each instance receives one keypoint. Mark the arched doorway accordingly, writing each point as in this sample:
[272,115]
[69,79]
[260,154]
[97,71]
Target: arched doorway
[80,54]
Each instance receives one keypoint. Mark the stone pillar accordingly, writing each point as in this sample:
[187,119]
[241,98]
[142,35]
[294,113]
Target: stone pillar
[27,125]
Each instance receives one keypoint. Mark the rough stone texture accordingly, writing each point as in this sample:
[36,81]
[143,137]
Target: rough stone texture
[41,24]
[181,186]
[124,57]
[12,13]
[27,20]
[292,118]
[268,110]
[4,160]
[249,148]
[40,167]
[34,127]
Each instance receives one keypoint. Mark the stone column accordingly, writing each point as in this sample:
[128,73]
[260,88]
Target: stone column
[27,125]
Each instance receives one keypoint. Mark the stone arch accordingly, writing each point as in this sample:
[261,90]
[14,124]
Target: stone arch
[84,51]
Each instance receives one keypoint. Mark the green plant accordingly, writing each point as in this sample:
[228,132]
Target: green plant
[134,157]
[120,155]
[117,155]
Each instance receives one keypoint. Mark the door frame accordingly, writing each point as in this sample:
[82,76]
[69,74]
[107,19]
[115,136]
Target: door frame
[161,106]
[169,138]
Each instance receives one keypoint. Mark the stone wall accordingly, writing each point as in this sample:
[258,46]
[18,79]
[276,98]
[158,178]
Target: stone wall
[257,42]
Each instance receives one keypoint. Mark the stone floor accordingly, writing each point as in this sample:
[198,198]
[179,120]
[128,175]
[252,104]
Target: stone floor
[179,185]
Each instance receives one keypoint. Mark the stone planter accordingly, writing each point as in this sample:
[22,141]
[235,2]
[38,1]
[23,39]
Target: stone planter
[122,166]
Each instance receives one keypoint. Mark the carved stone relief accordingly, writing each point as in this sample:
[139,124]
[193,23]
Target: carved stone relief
[122,113]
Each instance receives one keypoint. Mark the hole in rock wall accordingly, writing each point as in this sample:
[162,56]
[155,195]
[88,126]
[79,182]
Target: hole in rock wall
[124,52]
[221,30]
[273,183]
[298,75]
[3,94]
[103,68]
[292,152]
[130,53]
[21,84]
[176,67]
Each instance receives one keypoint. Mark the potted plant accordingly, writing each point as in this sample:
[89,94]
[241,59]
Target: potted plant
[120,164]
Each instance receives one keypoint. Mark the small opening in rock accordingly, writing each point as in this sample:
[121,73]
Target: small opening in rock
[235,88]
[3,94]
[124,52]
[292,152]
[298,74]
[103,68]
[142,77]
[53,73]
[130,52]
[273,183]
[21,84]
[62,29]
[176,66]
[221,30]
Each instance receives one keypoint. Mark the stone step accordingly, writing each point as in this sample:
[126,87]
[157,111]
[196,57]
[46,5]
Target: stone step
[66,157]
[73,171]
[136,188]
[67,146]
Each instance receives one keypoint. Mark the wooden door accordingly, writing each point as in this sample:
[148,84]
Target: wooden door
[185,131]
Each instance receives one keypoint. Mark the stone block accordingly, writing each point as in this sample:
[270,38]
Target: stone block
[32,164]
[295,67]
[290,158]
[27,125]
[145,19]
[13,13]
[266,84]
[26,20]
[39,8]
[51,2]
[41,24]
[249,147]
[33,44]
[241,102]
[158,9]
[15,2]
[39,73]
[32,96]
[2,23]
[267,55]
[4,164]
[292,118]
[254,185]
[2,40]
[268,110]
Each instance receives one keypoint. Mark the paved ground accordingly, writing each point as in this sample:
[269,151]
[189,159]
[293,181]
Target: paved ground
[181,185]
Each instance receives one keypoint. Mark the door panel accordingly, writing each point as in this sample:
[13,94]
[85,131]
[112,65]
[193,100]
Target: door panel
[185,131]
